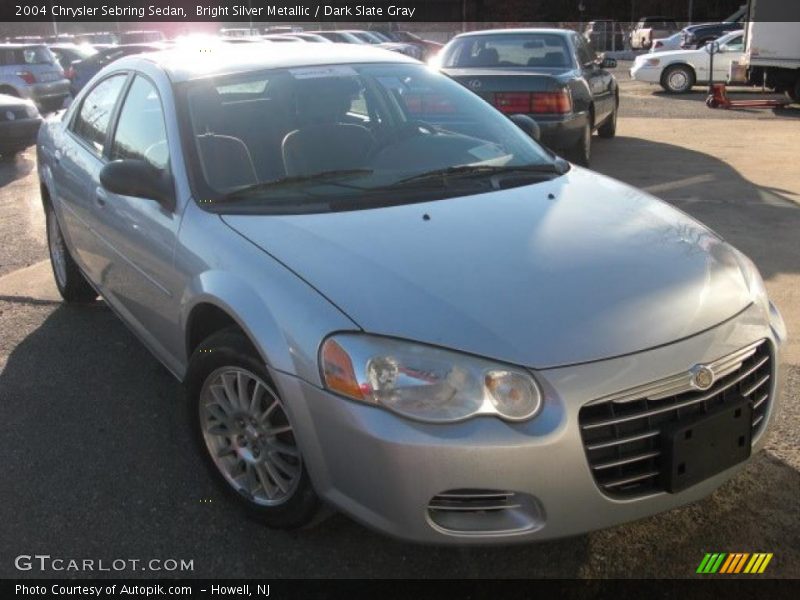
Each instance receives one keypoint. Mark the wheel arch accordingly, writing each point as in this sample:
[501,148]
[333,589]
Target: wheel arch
[217,300]
[678,64]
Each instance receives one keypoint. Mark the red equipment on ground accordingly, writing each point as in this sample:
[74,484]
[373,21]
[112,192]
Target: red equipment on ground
[718,98]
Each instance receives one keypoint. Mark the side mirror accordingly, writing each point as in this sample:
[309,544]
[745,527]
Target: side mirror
[133,177]
[608,63]
[527,125]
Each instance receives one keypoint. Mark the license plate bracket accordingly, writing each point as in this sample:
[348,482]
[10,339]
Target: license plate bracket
[707,445]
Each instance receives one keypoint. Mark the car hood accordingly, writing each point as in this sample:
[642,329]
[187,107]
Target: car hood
[671,54]
[598,270]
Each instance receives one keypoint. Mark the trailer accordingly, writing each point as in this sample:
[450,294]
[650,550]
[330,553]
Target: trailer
[771,55]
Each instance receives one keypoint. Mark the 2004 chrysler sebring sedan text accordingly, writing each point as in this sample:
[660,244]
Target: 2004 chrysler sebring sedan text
[382,294]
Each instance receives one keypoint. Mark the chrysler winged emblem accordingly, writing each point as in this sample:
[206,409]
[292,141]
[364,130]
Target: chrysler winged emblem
[702,377]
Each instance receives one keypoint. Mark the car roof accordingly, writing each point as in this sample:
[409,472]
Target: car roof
[20,46]
[550,30]
[181,64]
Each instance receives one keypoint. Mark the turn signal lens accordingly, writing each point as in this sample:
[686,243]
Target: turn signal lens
[653,62]
[337,370]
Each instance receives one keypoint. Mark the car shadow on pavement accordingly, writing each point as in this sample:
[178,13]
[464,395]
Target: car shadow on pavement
[762,221]
[96,443]
[16,167]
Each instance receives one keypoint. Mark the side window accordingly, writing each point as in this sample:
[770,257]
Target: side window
[91,122]
[141,133]
[585,54]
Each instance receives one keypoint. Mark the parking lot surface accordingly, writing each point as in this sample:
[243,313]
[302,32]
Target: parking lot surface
[99,464]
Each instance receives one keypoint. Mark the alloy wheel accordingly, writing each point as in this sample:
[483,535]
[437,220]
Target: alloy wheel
[248,436]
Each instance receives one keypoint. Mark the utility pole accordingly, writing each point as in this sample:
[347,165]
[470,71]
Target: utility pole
[691,6]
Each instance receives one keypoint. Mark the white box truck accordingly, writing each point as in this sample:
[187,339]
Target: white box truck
[771,47]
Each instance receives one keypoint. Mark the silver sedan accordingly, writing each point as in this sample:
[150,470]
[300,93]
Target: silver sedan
[384,295]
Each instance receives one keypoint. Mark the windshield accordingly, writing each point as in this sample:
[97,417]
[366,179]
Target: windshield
[508,50]
[305,139]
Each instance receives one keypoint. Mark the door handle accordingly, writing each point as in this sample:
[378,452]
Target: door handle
[100,196]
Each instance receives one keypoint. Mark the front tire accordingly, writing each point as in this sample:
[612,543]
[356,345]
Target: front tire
[71,283]
[678,79]
[243,431]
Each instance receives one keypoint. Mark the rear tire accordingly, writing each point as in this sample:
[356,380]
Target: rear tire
[71,283]
[581,152]
[678,79]
[609,129]
[248,446]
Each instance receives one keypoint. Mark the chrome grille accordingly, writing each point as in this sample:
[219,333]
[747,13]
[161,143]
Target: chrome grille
[622,433]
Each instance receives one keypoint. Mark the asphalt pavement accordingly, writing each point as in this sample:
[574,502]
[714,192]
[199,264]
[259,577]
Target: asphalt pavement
[98,461]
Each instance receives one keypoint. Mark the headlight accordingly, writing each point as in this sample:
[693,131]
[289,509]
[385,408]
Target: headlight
[424,382]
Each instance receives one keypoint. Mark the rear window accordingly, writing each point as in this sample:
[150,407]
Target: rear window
[509,50]
[31,55]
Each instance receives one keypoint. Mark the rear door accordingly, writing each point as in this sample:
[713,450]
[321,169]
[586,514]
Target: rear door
[598,79]
[77,162]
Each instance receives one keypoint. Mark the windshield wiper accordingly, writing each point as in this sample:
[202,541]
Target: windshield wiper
[556,168]
[325,177]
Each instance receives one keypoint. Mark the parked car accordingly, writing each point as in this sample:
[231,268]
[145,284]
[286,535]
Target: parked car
[451,335]
[651,28]
[82,71]
[378,39]
[281,37]
[678,70]
[551,75]
[697,36]
[66,54]
[140,37]
[340,37]
[311,37]
[98,39]
[61,38]
[31,71]
[672,42]
[429,47]
[604,35]
[19,124]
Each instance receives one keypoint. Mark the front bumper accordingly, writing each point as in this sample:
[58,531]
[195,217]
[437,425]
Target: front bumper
[384,470]
[18,134]
[645,73]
